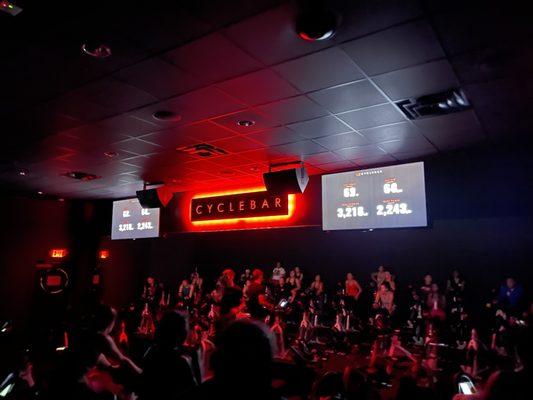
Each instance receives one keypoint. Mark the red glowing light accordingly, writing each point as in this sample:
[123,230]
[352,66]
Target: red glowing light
[58,253]
[242,222]
[103,255]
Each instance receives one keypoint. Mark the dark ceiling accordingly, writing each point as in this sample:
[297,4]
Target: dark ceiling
[329,103]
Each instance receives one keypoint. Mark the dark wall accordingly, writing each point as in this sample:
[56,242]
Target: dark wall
[30,228]
[479,210]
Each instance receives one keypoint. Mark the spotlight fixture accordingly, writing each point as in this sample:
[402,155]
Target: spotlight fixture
[23,172]
[316,23]
[246,123]
[96,51]
[166,116]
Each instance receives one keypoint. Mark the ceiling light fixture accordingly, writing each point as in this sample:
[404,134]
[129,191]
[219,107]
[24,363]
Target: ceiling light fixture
[246,123]
[98,51]
[40,193]
[23,172]
[81,176]
[316,23]
[167,116]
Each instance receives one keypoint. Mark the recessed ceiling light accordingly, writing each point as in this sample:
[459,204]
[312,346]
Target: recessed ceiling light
[23,172]
[40,193]
[81,176]
[96,51]
[245,122]
[110,154]
[167,116]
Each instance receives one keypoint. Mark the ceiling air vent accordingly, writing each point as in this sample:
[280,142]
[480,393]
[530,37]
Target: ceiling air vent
[431,105]
[202,150]
[81,176]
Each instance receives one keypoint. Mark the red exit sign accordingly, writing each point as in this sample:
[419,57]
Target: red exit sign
[58,253]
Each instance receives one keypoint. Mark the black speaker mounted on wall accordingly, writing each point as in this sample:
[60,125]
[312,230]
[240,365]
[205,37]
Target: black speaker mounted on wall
[292,180]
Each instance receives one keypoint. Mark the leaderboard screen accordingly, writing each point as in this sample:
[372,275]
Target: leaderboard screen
[131,221]
[385,197]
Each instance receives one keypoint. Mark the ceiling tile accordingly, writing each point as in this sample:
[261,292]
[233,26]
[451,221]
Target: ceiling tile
[77,106]
[194,106]
[461,121]
[137,146]
[319,127]
[270,36]
[292,110]
[342,140]
[322,158]
[374,160]
[411,155]
[201,176]
[372,116]
[406,145]
[212,58]
[204,103]
[456,140]
[258,87]
[360,152]
[231,121]
[111,130]
[237,144]
[201,165]
[320,70]
[139,162]
[161,161]
[301,148]
[348,97]
[164,25]
[206,131]
[276,136]
[99,157]
[400,130]
[417,81]
[452,130]
[395,48]
[232,160]
[264,155]
[158,78]
[337,166]
[170,138]
[255,169]
[366,16]
[113,168]
[115,95]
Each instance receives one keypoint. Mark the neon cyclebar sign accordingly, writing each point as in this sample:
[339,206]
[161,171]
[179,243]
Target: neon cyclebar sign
[240,206]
